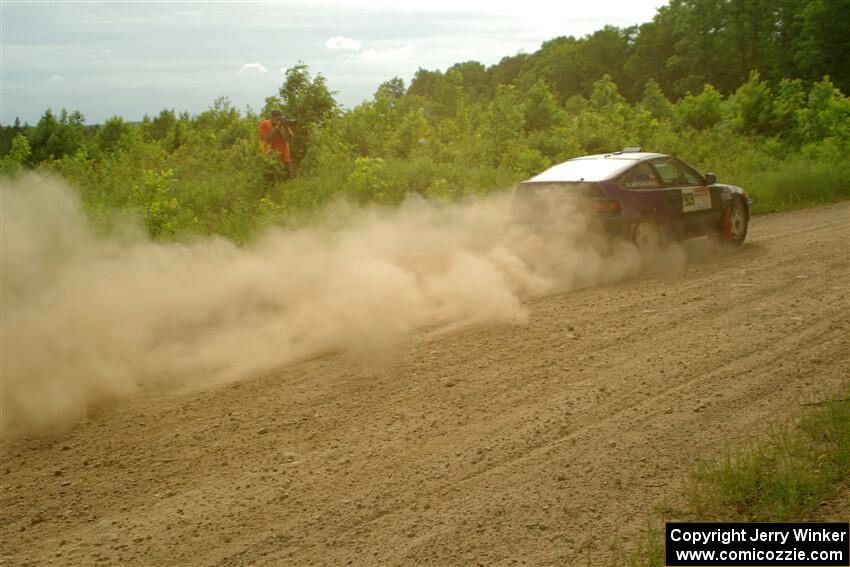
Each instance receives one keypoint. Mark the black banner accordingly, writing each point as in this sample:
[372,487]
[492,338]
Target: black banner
[761,544]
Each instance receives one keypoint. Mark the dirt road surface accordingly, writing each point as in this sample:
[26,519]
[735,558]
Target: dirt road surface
[535,444]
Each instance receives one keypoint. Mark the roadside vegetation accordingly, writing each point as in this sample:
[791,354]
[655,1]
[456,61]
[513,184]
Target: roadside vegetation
[740,88]
[781,479]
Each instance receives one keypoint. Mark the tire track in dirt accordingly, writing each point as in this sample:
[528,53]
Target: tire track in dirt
[534,451]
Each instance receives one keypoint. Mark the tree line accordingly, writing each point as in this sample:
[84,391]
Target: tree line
[749,89]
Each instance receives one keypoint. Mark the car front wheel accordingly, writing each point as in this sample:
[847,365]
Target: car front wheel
[738,223]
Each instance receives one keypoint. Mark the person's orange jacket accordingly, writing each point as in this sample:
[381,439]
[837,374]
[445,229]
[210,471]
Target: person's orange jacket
[279,144]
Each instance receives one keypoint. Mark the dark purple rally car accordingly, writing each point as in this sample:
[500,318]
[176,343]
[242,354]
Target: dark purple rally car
[646,197]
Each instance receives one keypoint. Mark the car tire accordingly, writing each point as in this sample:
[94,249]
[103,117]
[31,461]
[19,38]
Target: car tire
[647,235]
[739,222]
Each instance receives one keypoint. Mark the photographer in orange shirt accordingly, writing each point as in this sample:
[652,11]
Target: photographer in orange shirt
[275,135]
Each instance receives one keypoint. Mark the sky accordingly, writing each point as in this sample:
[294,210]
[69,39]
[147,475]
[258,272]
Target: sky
[130,59]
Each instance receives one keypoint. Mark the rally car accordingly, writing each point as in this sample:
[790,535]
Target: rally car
[649,197]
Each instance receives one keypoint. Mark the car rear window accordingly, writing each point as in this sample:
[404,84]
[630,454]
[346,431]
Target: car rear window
[584,170]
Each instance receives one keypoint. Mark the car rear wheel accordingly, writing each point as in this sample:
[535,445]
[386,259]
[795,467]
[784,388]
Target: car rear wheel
[647,235]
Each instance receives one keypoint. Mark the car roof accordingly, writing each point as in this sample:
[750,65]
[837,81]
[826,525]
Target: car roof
[592,168]
[634,156]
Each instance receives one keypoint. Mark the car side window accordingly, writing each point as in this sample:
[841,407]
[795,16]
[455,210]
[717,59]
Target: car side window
[690,176]
[666,170]
[640,176]
[673,173]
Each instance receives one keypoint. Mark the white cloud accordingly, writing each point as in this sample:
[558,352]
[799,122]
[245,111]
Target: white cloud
[252,69]
[385,55]
[57,78]
[343,44]
[606,10]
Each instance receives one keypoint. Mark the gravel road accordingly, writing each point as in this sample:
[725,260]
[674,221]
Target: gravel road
[531,444]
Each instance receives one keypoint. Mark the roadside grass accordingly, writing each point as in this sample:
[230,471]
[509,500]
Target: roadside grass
[781,479]
[648,550]
[797,183]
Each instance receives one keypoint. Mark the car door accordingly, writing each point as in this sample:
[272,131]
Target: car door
[642,194]
[691,205]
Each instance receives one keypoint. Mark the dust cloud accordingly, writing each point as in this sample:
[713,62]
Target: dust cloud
[88,318]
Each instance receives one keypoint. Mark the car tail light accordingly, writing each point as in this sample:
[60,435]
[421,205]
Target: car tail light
[608,206]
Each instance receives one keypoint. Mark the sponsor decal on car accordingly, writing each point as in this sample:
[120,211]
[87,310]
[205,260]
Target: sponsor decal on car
[695,199]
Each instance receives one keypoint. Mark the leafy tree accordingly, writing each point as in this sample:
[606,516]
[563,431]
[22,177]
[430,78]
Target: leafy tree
[503,125]
[424,83]
[367,181]
[655,102]
[219,117]
[605,52]
[541,108]
[559,63]
[692,42]
[508,69]
[823,43]
[110,134]
[394,87]
[329,149]
[606,97]
[448,93]
[8,134]
[474,77]
[752,107]
[18,155]
[54,138]
[163,125]
[788,102]
[701,111]
[827,114]
[412,133]
[308,100]
[653,54]
[601,128]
